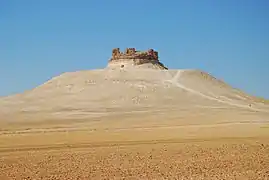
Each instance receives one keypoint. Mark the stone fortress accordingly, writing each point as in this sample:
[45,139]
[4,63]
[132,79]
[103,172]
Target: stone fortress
[132,57]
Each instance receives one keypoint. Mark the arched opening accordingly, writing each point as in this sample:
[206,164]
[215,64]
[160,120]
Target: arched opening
[122,66]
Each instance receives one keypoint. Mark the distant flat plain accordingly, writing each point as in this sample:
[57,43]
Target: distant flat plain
[138,146]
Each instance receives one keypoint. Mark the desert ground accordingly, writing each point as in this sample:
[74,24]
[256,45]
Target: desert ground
[135,124]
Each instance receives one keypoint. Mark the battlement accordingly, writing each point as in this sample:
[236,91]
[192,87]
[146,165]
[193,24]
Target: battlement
[132,53]
[134,57]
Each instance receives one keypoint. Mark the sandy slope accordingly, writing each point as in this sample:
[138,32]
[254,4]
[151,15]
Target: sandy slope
[91,93]
[137,123]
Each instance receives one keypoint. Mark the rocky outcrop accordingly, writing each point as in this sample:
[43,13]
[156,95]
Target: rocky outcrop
[132,57]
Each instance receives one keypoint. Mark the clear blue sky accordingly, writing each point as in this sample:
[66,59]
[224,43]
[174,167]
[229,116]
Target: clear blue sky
[42,39]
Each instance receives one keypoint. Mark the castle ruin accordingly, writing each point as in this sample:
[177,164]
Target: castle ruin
[133,57]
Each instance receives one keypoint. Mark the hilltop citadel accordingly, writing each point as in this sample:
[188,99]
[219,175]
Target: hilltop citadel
[134,58]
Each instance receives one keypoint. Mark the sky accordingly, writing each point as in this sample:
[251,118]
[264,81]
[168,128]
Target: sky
[226,38]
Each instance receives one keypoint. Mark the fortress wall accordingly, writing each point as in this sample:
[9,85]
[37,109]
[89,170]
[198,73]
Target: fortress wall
[135,63]
[121,62]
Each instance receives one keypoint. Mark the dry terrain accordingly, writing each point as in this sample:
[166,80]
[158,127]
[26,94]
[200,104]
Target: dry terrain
[134,124]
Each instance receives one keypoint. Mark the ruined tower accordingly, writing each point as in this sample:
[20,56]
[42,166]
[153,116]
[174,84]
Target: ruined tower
[131,58]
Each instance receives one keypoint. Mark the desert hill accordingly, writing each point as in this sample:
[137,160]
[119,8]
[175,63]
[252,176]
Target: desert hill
[98,92]
[132,82]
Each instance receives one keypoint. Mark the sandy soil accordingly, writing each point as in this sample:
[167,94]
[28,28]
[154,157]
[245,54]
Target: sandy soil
[224,159]
[109,149]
